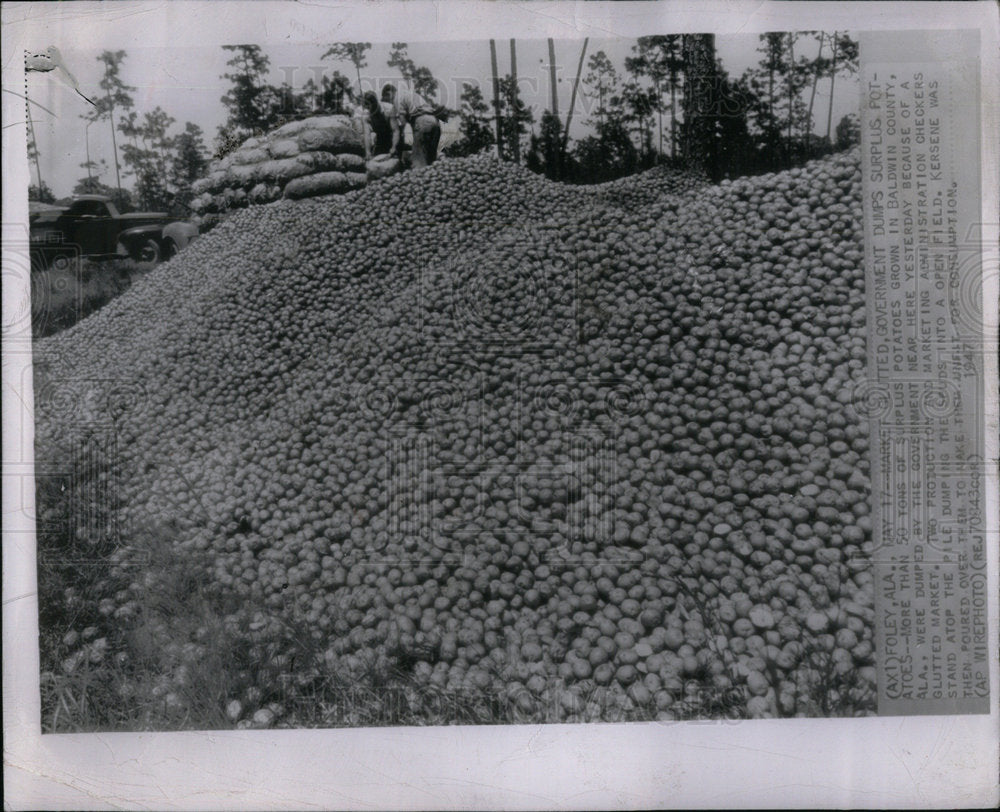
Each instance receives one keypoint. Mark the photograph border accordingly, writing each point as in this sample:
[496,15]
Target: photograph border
[891,762]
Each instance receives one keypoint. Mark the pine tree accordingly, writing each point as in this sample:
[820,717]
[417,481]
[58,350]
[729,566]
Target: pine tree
[333,93]
[601,84]
[818,67]
[33,157]
[419,78]
[515,118]
[658,59]
[149,162]
[249,99]
[546,153]
[353,52]
[638,105]
[476,125]
[116,100]
[844,61]
[189,161]
[796,79]
[701,98]
[92,185]
[41,194]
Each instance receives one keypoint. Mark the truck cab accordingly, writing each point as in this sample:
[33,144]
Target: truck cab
[91,223]
[91,226]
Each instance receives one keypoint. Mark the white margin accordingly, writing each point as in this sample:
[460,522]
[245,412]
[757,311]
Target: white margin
[920,762]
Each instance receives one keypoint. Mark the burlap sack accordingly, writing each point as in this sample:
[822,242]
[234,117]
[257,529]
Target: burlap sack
[331,139]
[349,162]
[200,186]
[245,175]
[318,161]
[250,156]
[258,194]
[383,166]
[355,180]
[321,183]
[283,148]
[284,169]
[325,161]
[217,179]
[263,164]
[293,128]
[199,203]
[290,130]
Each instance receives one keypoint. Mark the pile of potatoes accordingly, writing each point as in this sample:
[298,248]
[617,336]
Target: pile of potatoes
[591,451]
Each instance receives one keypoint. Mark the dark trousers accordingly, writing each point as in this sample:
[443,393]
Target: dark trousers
[426,134]
[383,135]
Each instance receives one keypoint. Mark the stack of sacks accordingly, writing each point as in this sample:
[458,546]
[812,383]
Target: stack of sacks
[314,156]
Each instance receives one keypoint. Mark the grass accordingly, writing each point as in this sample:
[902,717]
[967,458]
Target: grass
[173,652]
[183,655]
[71,289]
[821,688]
[135,634]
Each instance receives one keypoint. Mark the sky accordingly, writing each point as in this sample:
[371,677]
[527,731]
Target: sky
[187,83]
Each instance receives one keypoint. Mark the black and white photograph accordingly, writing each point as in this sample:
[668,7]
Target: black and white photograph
[642,377]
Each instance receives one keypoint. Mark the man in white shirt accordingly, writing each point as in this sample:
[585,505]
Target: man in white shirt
[420,114]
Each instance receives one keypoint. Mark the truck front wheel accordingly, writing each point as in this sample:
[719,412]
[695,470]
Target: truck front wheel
[147,253]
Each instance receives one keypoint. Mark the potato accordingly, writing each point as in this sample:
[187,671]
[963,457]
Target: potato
[493,430]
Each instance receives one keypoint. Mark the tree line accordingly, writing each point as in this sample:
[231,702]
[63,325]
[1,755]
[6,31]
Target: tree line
[671,101]
[161,161]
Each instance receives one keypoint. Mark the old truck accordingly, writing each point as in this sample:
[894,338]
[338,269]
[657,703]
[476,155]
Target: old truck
[91,226]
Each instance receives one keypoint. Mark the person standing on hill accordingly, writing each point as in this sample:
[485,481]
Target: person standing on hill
[422,116]
[379,116]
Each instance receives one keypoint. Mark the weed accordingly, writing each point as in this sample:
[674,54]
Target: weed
[71,290]
[137,635]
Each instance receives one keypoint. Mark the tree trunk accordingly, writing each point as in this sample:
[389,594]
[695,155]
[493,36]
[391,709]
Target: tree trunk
[659,116]
[31,129]
[552,77]
[699,123]
[770,106]
[162,161]
[554,155]
[143,167]
[496,99]
[812,95]
[572,99]
[833,77]
[791,90]
[114,146]
[673,117]
[515,135]
[86,130]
